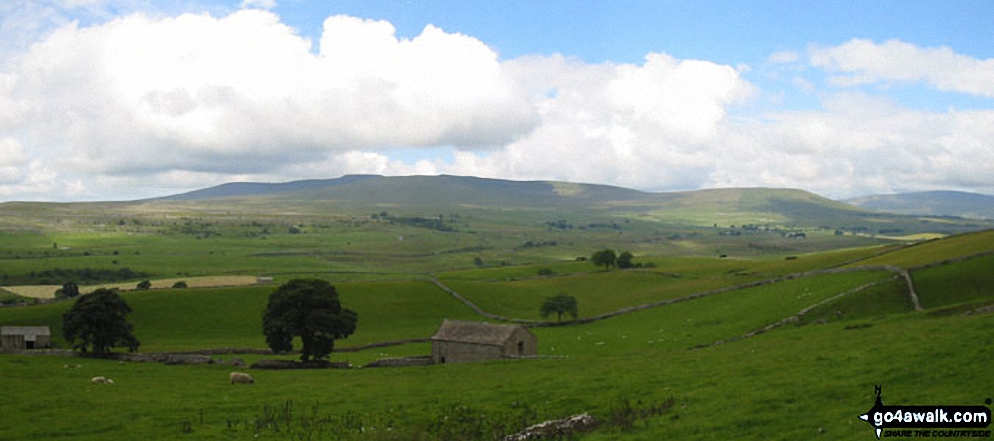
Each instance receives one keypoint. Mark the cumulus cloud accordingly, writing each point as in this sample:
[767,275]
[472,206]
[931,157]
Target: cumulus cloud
[864,62]
[160,105]
[198,93]
[639,125]
[858,145]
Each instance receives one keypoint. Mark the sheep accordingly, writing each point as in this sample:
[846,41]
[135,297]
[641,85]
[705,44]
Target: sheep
[241,377]
[101,380]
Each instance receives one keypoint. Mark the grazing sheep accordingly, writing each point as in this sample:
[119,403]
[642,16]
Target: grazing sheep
[101,380]
[241,377]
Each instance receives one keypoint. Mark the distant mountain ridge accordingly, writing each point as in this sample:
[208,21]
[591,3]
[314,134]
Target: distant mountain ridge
[724,206]
[933,203]
[420,190]
[253,189]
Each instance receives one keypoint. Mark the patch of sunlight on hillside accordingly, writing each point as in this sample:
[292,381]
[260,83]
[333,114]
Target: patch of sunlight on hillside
[567,188]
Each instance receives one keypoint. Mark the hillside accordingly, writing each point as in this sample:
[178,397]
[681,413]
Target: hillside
[372,190]
[701,207]
[933,203]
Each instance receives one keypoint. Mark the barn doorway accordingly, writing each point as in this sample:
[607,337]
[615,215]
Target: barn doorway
[29,345]
[521,348]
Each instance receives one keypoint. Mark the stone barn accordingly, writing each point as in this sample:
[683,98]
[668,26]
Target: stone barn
[459,341]
[16,338]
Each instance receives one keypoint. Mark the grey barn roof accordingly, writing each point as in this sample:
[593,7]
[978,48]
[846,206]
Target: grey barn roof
[25,330]
[474,332]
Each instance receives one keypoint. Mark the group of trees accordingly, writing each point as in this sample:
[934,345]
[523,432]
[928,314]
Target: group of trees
[306,308]
[608,258]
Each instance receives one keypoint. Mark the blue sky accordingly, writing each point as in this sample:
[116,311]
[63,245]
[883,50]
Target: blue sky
[122,99]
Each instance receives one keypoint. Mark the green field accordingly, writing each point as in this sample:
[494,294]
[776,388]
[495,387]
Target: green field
[674,371]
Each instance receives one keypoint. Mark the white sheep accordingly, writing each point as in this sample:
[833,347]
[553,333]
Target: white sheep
[241,377]
[101,380]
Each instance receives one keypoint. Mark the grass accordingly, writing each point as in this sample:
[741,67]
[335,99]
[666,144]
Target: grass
[960,282]
[789,384]
[935,251]
[191,319]
[795,382]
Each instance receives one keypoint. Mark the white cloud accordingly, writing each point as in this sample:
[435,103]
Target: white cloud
[865,62]
[648,125]
[141,106]
[237,93]
[859,145]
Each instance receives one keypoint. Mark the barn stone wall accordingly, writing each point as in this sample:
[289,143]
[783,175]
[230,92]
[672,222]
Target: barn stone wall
[528,347]
[12,342]
[19,342]
[459,352]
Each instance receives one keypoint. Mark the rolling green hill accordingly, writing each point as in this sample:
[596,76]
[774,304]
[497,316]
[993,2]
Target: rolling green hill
[454,191]
[433,191]
[446,194]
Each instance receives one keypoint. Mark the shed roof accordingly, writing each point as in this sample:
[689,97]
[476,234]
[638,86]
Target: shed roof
[474,332]
[25,330]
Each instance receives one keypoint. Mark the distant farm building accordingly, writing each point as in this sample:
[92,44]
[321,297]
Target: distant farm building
[16,338]
[459,341]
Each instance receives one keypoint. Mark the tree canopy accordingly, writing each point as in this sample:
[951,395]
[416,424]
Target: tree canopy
[68,291]
[559,305]
[310,309]
[96,322]
[625,260]
[605,258]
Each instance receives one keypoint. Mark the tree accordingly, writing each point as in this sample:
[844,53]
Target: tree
[96,322]
[560,304]
[144,285]
[68,291]
[308,308]
[180,285]
[605,258]
[625,260]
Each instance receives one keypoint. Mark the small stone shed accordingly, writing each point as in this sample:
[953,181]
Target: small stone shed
[458,341]
[16,338]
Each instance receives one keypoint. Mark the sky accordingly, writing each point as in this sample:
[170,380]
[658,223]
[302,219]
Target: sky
[130,99]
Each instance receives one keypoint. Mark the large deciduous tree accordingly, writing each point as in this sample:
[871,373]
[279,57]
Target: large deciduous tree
[310,309]
[559,305]
[97,322]
[605,258]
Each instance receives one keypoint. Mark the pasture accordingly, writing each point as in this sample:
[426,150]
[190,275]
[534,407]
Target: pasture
[649,374]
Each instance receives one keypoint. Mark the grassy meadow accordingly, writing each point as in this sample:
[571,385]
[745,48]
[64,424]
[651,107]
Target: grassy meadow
[652,374]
